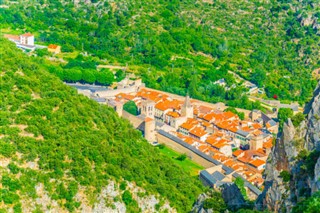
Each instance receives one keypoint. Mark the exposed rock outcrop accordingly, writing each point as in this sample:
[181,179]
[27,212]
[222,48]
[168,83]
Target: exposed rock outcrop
[198,206]
[290,155]
[232,196]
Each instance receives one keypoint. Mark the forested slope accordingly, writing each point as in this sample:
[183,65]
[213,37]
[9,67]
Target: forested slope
[188,44]
[50,135]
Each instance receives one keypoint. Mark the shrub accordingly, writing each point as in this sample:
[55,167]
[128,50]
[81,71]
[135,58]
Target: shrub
[182,157]
[285,175]
[127,197]
[131,107]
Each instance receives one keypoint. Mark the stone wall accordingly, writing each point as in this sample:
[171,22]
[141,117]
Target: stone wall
[178,148]
[134,120]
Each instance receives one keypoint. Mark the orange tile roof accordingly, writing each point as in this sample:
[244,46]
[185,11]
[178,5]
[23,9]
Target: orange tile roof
[237,152]
[173,114]
[268,144]
[203,148]
[212,139]
[257,132]
[229,115]
[228,125]
[243,159]
[189,140]
[221,158]
[206,124]
[125,96]
[162,106]
[256,125]
[147,119]
[246,129]
[220,144]
[12,37]
[256,163]
[209,117]
[260,150]
[198,131]
[204,109]
[268,125]
[190,123]
[52,46]
[27,35]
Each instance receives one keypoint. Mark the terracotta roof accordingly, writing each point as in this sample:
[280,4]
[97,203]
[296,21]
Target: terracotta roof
[161,106]
[27,35]
[229,115]
[189,124]
[221,158]
[12,37]
[256,163]
[173,114]
[204,109]
[243,159]
[125,96]
[209,117]
[237,152]
[206,124]
[148,119]
[220,144]
[203,148]
[189,140]
[198,131]
[246,129]
[212,139]
[268,144]
[53,46]
[256,125]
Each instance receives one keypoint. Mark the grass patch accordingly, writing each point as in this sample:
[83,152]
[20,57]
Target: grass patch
[187,164]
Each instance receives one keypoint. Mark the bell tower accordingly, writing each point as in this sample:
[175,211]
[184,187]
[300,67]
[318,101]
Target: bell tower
[187,108]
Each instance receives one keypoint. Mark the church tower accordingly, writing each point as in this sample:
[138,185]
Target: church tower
[187,108]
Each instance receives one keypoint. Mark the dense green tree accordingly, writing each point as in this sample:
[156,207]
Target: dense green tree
[88,76]
[131,107]
[104,77]
[284,114]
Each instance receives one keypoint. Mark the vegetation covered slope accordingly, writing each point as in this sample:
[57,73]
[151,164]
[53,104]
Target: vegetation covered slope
[72,141]
[188,44]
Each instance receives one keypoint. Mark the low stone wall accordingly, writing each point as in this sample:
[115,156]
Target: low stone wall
[134,120]
[178,148]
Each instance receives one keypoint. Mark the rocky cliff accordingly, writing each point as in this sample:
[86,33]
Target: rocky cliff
[293,167]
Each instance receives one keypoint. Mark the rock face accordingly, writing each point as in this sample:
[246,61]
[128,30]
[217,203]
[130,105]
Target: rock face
[313,132]
[232,196]
[287,155]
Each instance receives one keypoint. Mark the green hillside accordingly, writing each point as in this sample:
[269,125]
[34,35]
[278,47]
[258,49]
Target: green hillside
[190,44]
[51,135]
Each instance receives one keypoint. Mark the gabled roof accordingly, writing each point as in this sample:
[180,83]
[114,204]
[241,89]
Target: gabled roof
[53,46]
[256,163]
[237,152]
[27,35]
[218,176]
[12,37]
[198,131]
[173,114]
[189,124]
[162,106]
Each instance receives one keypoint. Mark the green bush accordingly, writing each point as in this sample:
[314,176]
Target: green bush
[131,107]
[127,197]
[182,157]
[285,175]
